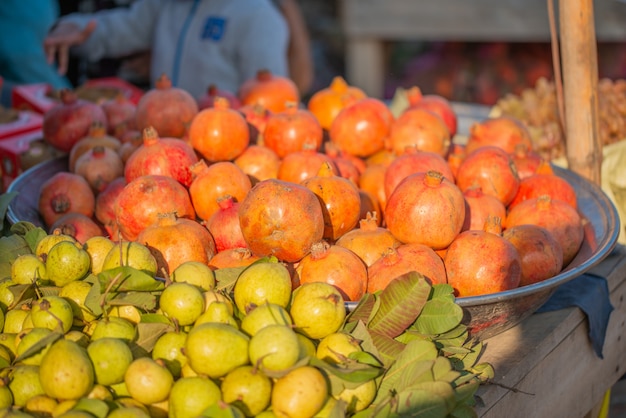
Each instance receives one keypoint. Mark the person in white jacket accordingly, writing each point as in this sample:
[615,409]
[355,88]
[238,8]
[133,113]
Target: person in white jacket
[194,42]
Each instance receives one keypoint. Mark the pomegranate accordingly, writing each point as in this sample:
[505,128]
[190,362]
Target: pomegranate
[212,92]
[168,109]
[271,91]
[326,103]
[62,193]
[349,166]
[224,225]
[232,258]
[163,156]
[301,165]
[491,169]
[541,255]
[212,182]
[478,207]
[369,204]
[292,220]
[504,132]
[66,123]
[256,117]
[526,160]
[138,205]
[77,225]
[96,136]
[372,180]
[426,208]
[259,163]
[480,262]
[369,241]
[334,265]
[173,241]
[99,167]
[560,218]
[219,133]
[340,200]
[436,104]
[545,182]
[419,128]
[291,130]
[396,261]
[120,112]
[456,155]
[105,206]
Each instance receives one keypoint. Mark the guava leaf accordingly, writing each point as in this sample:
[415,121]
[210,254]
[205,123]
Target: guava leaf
[38,346]
[11,247]
[483,371]
[421,403]
[415,352]
[442,370]
[438,316]
[364,310]
[127,278]
[149,332]
[225,278]
[5,200]
[346,376]
[400,304]
[21,293]
[443,291]
[142,300]
[362,333]
[365,357]
[33,237]
[467,360]
[338,410]
[155,318]
[463,411]
[94,296]
[387,347]
[442,390]
[464,392]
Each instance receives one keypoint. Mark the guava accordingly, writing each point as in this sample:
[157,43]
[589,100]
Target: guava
[196,273]
[302,392]
[52,312]
[46,243]
[32,337]
[133,254]
[213,349]
[40,406]
[129,412]
[24,384]
[211,296]
[248,389]
[28,269]
[221,409]
[169,348]
[14,320]
[67,261]
[78,337]
[307,346]
[98,247]
[6,397]
[110,357]
[360,397]
[76,293]
[183,302]
[66,372]
[114,327]
[337,347]
[262,283]
[100,392]
[217,312]
[148,381]
[317,309]
[264,315]
[274,348]
[7,298]
[128,312]
[190,396]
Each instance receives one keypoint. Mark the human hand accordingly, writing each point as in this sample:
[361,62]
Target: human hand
[61,38]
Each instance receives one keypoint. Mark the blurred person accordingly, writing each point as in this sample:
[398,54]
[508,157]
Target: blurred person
[194,42]
[23,28]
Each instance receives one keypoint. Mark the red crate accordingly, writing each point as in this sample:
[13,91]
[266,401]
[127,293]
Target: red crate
[26,121]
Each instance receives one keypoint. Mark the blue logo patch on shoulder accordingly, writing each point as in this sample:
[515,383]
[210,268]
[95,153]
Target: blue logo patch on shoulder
[214,28]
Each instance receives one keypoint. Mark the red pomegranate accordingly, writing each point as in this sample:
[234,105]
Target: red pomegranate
[334,265]
[541,255]
[96,136]
[259,163]
[395,262]
[232,258]
[492,169]
[326,103]
[292,220]
[77,225]
[369,241]
[168,109]
[62,193]
[526,160]
[291,130]
[340,200]
[436,104]
[420,128]
[138,205]
[224,225]
[301,165]
[212,92]
[504,132]
[479,207]
[545,182]
[100,166]
[105,206]
[481,262]
[66,123]
[560,218]
[271,91]
[120,112]
[425,208]
[162,156]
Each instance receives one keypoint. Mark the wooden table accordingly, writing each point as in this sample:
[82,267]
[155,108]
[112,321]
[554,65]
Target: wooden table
[549,362]
[368,24]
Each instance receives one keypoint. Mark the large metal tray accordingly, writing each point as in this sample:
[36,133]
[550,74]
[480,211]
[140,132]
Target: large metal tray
[485,315]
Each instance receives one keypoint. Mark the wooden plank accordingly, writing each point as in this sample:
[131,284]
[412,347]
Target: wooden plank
[549,361]
[365,65]
[477,20]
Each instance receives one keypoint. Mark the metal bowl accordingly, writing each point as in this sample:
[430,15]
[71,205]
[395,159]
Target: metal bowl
[485,315]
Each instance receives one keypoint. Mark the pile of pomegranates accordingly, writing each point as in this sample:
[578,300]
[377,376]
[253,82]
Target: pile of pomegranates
[338,189]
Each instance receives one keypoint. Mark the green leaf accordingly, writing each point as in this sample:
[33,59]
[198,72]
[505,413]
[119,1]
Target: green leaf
[352,374]
[154,318]
[149,332]
[127,278]
[442,370]
[21,293]
[438,316]
[142,300]
[463,411]
[469,359]
[362,333]
[442,390]
[33,237]
[5,200]
[443,291]
[465,392]
[387,348]
[365,357]
[11,247]
[94,297]
[421,403]
[400,304]
[364,310]
[225,278]
[454,338]
[414,353]
[484,371]
[38,346]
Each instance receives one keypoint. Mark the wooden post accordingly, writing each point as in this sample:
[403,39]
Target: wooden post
[580,87]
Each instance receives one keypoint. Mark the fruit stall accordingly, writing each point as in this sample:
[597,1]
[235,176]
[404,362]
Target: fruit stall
[252,254]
